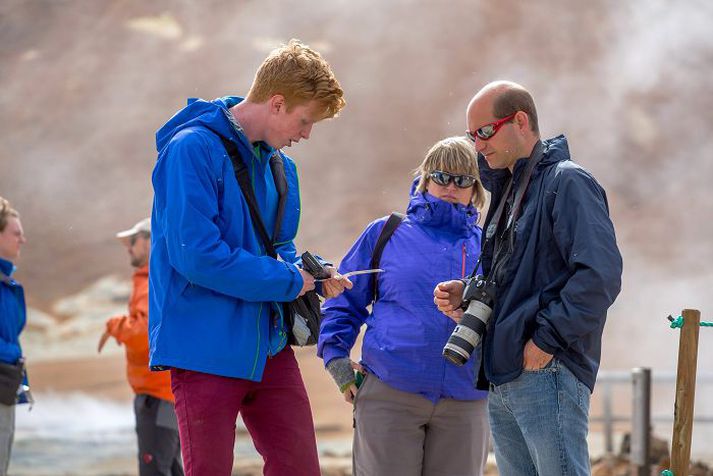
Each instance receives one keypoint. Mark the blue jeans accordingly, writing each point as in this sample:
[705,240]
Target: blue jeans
[539,423]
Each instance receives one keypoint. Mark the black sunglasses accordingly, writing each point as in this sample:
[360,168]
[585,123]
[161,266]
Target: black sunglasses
[444,178]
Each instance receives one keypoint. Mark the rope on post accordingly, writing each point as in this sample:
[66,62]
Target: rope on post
[678,322]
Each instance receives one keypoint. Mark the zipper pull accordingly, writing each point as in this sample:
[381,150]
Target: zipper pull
[463,262]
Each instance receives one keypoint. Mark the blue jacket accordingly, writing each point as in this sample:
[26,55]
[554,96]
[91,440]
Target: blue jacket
[212,289]
[12,315]
[564,273]
[405,332]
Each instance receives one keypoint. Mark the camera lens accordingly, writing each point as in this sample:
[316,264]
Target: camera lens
[469,332]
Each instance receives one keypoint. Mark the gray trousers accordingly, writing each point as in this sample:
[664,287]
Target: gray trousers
[401,433]
[7,434]
[157,431]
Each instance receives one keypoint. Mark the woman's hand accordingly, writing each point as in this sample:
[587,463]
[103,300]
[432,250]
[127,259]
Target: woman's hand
[352,390]
[335,285]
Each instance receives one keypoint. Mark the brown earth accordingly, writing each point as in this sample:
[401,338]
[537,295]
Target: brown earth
[104,377]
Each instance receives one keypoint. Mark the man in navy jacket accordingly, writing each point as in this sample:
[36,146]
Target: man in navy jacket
[552,254]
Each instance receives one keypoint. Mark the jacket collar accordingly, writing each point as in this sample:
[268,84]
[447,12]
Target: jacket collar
[554,150]
[142,271]
[6,267]
[430,211]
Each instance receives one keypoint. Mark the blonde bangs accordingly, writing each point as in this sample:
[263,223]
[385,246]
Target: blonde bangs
[453,155]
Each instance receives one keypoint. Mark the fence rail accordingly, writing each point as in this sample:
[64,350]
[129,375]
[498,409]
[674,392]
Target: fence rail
[608,380]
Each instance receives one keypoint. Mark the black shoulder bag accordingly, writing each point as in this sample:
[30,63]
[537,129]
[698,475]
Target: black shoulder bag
[303,315]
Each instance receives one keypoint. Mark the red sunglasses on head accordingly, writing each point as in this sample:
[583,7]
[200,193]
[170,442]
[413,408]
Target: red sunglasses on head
[489,130]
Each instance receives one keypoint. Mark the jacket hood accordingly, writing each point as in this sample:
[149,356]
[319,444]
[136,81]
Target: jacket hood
[430,211]
[555,150]
[213,115]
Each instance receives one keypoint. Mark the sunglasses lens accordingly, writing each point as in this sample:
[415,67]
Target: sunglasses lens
[444,178]
[486,132]
[470,136]
[441,178]
[463,181]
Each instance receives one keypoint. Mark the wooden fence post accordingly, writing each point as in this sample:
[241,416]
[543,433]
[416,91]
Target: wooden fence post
[685,392]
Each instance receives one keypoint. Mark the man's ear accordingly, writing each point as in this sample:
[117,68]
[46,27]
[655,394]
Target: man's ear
[277,103]
[522,120]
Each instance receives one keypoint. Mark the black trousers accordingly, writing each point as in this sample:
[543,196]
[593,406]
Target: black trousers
[157,431]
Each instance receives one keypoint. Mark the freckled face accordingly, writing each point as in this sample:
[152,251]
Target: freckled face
[290,127]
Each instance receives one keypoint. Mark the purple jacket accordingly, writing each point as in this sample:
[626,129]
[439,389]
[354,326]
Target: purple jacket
[405,332]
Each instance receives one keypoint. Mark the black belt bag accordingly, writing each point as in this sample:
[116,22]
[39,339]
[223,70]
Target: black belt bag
[10,380]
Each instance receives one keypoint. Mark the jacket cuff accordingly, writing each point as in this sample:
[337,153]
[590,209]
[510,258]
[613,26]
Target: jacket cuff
[540,338]
[297,282]
[342,372]
[112,325]
[330,352]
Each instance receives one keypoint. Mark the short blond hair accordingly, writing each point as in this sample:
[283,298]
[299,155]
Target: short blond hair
[301,75]
[6,211]
[453,155]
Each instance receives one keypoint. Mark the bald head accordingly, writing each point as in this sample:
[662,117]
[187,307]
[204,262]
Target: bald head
[503,98]
[502,122]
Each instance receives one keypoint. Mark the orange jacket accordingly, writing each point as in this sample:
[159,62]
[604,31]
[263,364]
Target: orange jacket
[133,332]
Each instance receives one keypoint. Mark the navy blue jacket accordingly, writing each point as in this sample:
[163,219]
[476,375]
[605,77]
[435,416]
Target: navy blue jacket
[564,272]
[405,332]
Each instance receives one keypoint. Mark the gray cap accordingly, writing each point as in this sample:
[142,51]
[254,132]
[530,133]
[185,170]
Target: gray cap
[142,226]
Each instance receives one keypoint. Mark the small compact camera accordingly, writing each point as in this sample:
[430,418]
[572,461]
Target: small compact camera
[478,299]
[313,266]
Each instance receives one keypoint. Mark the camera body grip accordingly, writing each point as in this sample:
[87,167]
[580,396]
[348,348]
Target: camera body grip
[313,266]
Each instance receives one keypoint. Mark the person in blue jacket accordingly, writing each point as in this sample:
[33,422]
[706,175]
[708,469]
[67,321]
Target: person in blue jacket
[556,267]
[12,319]
[415,413]
[215,314]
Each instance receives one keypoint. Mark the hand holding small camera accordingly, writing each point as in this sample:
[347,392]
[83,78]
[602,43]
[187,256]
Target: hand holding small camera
[307,282]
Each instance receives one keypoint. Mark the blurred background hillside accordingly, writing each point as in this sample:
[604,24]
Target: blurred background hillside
[84,85]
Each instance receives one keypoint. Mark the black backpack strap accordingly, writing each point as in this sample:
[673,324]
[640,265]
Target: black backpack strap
[243,177]
[387,230]
[277,166]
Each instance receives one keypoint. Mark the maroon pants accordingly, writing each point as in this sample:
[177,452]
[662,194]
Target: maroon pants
[276,412]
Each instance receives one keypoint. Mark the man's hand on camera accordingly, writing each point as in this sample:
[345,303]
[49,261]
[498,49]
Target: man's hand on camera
[448,296]
[456,315]
[307,282]
[335,285]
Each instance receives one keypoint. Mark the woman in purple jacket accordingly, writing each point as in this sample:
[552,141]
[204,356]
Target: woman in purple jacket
[415,413]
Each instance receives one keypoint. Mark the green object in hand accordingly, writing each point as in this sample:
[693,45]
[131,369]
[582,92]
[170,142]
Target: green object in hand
[359,377]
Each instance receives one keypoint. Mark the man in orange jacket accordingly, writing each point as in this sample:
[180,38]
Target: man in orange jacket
[156,426]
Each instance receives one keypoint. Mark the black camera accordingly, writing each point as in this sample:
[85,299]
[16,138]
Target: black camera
[313,266]
[478,299]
